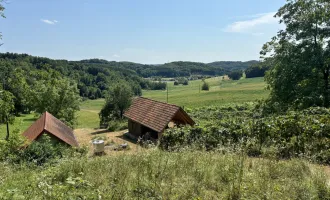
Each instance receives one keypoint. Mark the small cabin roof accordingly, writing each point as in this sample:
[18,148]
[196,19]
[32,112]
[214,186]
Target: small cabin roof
[51,125]
[155,114]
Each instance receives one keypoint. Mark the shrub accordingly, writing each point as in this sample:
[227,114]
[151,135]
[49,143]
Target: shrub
[11,147]
[117,125]
[176,82]
[42,151]
[293,134]
[38,152]
[205,86]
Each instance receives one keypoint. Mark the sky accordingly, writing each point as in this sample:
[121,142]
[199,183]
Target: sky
[142,31]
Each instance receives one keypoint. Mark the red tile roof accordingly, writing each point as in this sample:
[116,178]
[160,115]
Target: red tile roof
[154,114]
[50,124]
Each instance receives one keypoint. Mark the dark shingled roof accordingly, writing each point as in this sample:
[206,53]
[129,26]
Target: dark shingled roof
[156,115]
[47,123]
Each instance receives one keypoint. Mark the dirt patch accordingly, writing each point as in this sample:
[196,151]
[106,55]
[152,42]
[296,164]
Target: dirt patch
[86,135]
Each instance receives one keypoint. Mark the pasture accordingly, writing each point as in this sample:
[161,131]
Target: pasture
[221,92]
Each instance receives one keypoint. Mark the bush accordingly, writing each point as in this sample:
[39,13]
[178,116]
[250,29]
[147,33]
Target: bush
[117,125]
[11,147]
[205,86]
[293,134]
[38,152]
[42,151]
[176,82]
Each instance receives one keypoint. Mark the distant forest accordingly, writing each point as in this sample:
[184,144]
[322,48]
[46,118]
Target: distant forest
[95,76]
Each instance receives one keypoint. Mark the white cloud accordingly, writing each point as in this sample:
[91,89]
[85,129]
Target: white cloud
[248,25]
[115,56]
[47,21]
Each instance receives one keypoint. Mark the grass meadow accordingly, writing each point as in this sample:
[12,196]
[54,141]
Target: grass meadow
[221,92]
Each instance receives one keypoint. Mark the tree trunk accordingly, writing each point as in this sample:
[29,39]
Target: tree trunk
[121,114]
[326,87]
[7,136]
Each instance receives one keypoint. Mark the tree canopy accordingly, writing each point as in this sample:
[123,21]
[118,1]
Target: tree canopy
[258,70]
[235,75]
[58,96]
[300,55]
[118,99]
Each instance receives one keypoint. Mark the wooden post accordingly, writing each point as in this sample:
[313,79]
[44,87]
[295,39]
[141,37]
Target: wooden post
[167,92]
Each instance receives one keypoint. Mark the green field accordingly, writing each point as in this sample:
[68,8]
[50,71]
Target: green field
[221,92]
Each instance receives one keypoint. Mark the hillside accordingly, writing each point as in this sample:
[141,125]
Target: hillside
[93,77]
[232,65]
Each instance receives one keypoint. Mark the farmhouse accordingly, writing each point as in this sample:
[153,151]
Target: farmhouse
[50,125]
[153,117]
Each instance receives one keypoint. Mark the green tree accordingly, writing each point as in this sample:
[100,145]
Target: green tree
[58,96]
[118,99]
[300,55]
[235,75]
[6,109]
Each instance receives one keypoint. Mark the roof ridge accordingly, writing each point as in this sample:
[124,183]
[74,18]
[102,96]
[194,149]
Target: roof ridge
[45,118]
[160,102]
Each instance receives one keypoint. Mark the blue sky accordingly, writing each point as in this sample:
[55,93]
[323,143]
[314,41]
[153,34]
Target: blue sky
[144,31]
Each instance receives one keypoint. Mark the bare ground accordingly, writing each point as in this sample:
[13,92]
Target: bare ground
[86,135]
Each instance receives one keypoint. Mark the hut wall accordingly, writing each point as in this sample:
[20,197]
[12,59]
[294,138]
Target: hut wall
[134,128]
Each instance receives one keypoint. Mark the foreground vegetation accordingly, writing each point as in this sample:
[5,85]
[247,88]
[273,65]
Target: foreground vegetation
[295,134]
[159,175]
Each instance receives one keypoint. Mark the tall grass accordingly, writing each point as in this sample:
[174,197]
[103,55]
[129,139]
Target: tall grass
[161,175]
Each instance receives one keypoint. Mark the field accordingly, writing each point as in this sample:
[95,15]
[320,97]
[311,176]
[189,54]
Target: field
[221,92]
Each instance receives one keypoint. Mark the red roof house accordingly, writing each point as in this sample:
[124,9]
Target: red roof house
[48,124]
[147,115]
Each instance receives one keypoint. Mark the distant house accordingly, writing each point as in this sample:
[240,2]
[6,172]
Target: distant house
[50,125]
[150,116]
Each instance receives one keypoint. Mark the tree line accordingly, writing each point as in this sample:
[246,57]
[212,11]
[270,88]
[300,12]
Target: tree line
[92,76]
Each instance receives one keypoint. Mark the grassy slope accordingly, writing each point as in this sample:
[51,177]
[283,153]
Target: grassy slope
[161,175]
[88,116]
[22,123]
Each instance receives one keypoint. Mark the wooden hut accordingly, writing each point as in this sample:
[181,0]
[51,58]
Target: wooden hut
[153,117]
[50,125]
